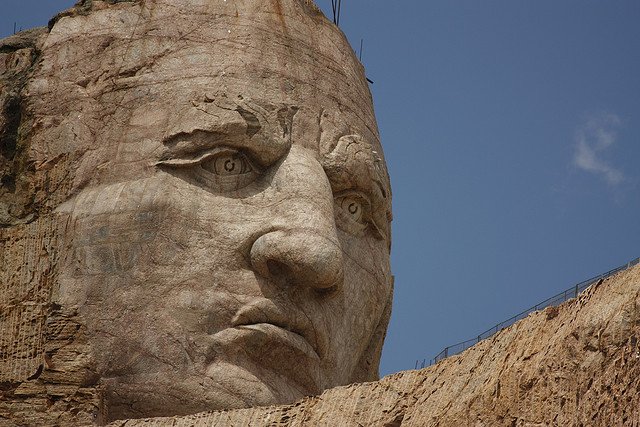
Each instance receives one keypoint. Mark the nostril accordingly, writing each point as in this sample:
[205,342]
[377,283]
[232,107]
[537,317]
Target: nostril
[282,271]
[277,268]
[328,292]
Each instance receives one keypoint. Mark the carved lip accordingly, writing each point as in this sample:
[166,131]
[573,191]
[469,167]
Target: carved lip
[291,319]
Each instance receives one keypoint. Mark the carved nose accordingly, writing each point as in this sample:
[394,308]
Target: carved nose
[300,257]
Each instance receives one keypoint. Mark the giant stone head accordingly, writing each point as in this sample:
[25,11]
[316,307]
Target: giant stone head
[225,217]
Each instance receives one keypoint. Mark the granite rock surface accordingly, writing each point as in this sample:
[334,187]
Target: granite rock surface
[574,365]
[194,215]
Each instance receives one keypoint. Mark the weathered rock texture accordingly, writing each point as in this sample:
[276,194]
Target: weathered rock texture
[32,330]
[573,365]
[195,211]
[194,215]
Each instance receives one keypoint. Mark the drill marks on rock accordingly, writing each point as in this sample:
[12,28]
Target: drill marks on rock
[28,264]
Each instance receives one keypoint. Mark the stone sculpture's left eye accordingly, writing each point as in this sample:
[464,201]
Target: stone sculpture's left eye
[353,214]
[221,170]
[353,207]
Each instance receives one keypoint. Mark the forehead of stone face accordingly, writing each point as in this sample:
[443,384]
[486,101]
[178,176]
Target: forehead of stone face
[117,79]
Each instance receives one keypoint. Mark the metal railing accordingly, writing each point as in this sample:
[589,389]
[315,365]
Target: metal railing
[557,299]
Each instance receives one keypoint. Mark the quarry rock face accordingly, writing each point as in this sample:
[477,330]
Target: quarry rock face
[573,365]
[194,219]
[195,212]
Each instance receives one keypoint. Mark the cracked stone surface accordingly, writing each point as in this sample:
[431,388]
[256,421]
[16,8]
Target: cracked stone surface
[573,365]
[194,216]
[195,211]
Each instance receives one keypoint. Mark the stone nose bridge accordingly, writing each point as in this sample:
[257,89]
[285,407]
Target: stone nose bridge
[301,246]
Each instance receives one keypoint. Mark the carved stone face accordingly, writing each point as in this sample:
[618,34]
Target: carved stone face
[229,239]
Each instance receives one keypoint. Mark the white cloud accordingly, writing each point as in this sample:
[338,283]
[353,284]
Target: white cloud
[595,136]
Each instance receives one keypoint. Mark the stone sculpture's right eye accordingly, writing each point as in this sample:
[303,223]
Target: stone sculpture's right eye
[221,170]
[227,164]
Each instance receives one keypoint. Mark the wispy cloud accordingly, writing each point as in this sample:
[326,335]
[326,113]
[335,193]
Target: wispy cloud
[594,137]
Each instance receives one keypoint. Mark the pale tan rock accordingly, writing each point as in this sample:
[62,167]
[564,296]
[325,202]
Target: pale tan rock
[195,211]
[194,215]
[580,367]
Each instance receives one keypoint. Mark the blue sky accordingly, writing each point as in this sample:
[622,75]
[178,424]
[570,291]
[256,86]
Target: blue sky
[512,133]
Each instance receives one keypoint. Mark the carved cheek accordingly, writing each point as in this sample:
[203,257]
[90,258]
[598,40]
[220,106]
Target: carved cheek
[112,243]
[371,254]
[367,285]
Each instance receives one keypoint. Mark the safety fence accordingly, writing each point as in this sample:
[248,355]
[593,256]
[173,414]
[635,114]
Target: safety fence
[567,294]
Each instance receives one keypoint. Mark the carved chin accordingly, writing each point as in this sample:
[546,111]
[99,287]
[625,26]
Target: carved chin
[226,386]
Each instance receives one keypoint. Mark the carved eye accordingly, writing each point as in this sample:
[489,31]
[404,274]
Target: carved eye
[227,164]
[352,206]
[353,213]
[222,170]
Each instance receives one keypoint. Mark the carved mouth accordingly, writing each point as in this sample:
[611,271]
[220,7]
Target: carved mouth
[293,323]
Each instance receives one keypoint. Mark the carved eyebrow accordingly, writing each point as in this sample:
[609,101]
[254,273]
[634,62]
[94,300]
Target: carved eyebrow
[194,140]
[352,162]
[190,145]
